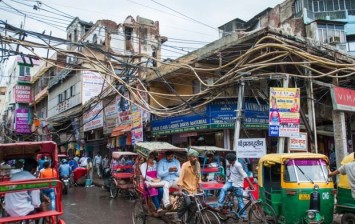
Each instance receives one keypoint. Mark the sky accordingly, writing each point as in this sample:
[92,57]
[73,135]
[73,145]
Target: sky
[188,24]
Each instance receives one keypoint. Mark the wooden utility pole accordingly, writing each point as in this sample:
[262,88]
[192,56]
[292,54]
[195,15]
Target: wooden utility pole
[281,140]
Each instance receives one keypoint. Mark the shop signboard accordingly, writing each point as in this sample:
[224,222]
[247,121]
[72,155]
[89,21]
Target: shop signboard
[251,147]
[23,93]
[343,99]
[255,115]
[111,109]
[93,118]
[22,126]
[137,125]
[219,114]
[298,143]
[284,116]
[123,108]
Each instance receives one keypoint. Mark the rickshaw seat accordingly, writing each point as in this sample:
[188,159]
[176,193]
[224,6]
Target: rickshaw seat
[209,170]
[173,189]
[37,215]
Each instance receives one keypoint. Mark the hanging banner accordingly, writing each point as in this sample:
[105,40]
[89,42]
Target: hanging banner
[137,125]
[22,126]
[93,118]
[123,108]
[284,117]
[251,147]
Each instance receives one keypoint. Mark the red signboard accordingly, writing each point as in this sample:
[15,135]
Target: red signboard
[23,94]
[343,99]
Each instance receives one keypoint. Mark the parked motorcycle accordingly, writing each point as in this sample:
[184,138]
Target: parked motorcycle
[66,182]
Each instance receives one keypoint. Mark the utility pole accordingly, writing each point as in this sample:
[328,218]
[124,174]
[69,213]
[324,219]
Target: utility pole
[239,113]
[281,140]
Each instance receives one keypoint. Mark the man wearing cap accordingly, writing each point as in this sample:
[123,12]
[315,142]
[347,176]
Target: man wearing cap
[169,172]
[189,184]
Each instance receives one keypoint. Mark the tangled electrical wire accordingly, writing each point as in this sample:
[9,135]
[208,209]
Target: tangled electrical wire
[259,60]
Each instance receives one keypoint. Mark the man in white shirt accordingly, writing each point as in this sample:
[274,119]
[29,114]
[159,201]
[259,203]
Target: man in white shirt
[349,170]
[235,181]
[23,202]
[97,164]
[83,161]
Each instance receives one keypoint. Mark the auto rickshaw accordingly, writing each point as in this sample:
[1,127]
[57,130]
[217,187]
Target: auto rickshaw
[17,151]
[345,202]
[297,186]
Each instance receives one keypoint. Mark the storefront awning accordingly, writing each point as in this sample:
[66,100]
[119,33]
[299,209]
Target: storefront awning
[120,130]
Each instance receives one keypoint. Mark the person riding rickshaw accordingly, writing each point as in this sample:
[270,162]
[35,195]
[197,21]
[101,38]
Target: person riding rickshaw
[14,209]
[297,186]
[345,194]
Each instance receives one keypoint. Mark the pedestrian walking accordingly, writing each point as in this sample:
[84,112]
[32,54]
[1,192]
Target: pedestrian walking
[90,170]
[97,164]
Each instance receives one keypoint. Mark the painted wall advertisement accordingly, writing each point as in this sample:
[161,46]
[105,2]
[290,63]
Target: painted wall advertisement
[93,83]
[23,94]
[137,125]
[216,115]
[298,143]
[251,148]
[93,118]
[284,116]
[22,126]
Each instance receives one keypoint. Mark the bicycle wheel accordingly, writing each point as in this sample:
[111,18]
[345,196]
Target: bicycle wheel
[113,189]
[208,217]
[261,212]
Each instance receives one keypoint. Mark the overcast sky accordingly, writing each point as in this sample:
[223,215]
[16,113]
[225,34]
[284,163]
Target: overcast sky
[184,21]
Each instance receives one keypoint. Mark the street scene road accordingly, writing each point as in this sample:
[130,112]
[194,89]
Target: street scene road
[93,205]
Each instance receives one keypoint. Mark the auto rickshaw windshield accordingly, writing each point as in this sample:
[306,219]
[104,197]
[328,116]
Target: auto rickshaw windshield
[306,170]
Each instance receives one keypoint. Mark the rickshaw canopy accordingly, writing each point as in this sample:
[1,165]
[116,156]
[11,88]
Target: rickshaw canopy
[23,149]
[343,179]
[280,158]
[117,155]
[204,149]
[145,148]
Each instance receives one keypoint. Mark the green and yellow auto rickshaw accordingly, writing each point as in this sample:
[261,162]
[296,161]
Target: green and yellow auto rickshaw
[345,202]
[297,186]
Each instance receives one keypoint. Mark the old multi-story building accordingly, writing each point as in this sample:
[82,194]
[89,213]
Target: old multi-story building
[16,111]
[76,94]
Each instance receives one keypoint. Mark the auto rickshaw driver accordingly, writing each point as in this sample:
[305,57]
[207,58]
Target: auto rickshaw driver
[349,170]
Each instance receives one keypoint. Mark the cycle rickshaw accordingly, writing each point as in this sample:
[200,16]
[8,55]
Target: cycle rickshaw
[121,181]
[144,209]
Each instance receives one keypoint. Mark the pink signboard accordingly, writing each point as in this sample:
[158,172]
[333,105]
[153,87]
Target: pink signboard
[22,126]
[23,94]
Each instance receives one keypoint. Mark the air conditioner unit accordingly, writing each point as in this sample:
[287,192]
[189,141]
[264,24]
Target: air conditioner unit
[334,40]
[72,60]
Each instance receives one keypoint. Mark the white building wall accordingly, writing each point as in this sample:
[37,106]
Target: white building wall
[54,107]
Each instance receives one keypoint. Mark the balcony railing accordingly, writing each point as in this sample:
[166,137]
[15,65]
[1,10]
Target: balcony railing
[341,14]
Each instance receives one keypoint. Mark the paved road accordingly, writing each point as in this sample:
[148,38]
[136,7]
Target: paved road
[93,205]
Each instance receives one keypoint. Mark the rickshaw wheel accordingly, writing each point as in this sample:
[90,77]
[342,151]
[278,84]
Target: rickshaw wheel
[113,189]
[348,218]
[138,214]
[261,212]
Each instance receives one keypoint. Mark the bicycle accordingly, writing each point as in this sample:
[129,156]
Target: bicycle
[203,214]
[259,211]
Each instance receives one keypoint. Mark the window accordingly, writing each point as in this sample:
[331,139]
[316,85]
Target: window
[72,91]
[25,70]
[94,39]
[306,170]
[60,98]
[128,36]
[328,33]
[65,95]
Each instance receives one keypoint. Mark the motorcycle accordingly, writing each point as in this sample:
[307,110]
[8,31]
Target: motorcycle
[66,183]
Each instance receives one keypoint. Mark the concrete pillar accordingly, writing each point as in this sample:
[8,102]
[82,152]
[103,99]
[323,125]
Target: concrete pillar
[226,139]
[340,142]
